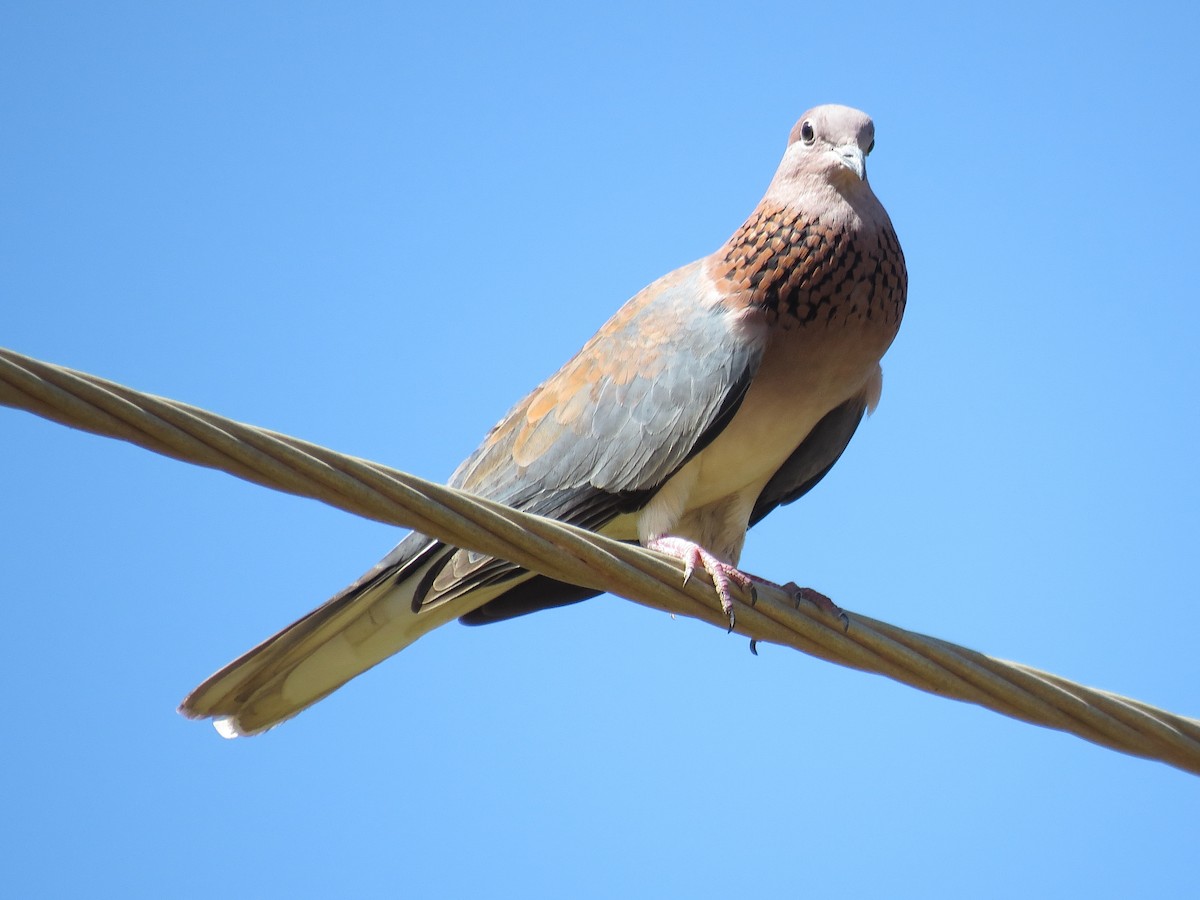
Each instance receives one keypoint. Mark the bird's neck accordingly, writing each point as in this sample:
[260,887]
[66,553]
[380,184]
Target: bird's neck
[791,262]
[778,251]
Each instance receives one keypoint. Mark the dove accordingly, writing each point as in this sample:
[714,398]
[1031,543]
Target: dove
[723,390]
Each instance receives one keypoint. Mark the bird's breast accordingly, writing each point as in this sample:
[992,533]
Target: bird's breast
[831,295]
[795,387]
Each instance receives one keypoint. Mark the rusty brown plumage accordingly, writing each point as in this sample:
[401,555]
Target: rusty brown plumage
[797,268]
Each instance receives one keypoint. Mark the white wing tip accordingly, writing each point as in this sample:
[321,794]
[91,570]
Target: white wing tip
[227,727]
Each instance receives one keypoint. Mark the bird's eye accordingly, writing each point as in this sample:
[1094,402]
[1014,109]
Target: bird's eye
[807,134]
[870,148]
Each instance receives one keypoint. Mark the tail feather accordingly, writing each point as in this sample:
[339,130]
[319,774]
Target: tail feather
[310,659]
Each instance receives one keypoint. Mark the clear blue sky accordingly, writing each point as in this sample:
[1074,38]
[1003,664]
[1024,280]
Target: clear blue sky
[376,228]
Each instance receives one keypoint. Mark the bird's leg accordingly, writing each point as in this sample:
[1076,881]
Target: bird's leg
[725,575]
[816,598]
[722,573]
[819,600]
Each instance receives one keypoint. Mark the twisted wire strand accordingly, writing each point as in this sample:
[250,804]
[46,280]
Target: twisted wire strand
[574,555]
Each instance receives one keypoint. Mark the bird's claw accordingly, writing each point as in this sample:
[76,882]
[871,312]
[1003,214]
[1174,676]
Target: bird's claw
[820,601]
[722,573]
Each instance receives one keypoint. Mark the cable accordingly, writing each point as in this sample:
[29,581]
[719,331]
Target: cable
[574,555]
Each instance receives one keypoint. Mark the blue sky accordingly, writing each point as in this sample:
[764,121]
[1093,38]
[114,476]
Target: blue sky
[376,227]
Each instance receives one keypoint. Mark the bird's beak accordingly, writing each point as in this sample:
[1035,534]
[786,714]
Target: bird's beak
[852,156]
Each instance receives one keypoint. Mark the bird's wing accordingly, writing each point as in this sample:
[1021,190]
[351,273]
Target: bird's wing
[658,382]
[643,395]
[652,388]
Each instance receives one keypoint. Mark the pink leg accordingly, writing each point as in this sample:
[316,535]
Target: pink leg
[816,598]
[819,600]
[722,573]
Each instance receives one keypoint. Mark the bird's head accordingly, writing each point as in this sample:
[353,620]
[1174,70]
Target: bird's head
[828,146]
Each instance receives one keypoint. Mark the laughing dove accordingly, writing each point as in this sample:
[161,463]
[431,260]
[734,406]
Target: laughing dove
[721,391]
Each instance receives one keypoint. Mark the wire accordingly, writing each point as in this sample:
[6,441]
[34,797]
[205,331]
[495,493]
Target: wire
[574,555]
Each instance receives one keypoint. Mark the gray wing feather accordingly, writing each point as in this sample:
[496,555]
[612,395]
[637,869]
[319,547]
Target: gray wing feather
[649,391]
[684,369]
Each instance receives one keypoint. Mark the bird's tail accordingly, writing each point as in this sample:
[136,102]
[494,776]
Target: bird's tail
[353,631]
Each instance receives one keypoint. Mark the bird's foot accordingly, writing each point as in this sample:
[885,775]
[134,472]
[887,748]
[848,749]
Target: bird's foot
[723,574]
[820,601]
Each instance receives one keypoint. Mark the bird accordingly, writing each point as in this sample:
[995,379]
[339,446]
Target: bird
[721,391]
